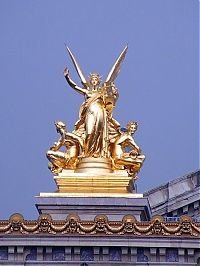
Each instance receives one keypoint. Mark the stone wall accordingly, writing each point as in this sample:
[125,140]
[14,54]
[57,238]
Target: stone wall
[78,242]
[177,197]
[85,255]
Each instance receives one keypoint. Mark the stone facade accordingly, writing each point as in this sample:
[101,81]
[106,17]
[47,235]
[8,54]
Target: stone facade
[59,205]
[99,251]
[177,197]
[76,242]
[109,237]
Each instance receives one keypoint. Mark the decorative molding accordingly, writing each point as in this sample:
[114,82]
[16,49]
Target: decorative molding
[73,225]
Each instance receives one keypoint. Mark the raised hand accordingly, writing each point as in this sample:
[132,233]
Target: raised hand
[66,72]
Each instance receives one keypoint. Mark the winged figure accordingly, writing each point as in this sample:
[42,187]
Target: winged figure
[97,134]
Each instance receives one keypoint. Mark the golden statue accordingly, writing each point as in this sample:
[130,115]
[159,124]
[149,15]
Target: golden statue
[59,159]
[97,144]
[131,160]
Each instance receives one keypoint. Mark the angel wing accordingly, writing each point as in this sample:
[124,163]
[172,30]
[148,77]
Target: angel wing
[77,67]
[116,67]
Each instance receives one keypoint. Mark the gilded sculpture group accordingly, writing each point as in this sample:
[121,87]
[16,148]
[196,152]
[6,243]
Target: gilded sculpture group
[97,134]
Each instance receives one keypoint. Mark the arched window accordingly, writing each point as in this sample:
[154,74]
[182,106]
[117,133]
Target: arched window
[3,253]
[58,253]
[30,253]
[140,255]
[115,253]
[172,255]
[87,254]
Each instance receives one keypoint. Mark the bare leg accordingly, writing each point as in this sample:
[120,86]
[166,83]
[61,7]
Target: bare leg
[57,160]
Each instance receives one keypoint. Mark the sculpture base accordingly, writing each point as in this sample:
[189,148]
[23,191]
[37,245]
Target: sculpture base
[90,194]
[87,206]
[99,182]
[94,165]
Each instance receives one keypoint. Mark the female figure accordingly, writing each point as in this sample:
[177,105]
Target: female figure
[96,125]
[92,125]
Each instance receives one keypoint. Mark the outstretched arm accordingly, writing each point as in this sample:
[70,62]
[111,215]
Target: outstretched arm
[134,145]
[73,84]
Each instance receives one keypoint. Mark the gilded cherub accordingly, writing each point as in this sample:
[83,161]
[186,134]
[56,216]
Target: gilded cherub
[132,160]
[60,160]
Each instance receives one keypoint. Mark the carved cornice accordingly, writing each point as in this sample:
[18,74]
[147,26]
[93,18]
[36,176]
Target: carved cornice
[73,225]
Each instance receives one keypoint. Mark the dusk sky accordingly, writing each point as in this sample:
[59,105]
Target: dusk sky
[158,85]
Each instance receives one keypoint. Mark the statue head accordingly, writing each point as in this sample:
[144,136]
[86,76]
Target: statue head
[95,79]
[60,125]
[132,127]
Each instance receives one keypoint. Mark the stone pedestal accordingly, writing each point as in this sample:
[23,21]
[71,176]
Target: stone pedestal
[88,205]
[92,191]
[95,181]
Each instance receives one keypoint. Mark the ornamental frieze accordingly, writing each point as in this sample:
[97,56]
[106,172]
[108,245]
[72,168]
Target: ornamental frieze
[73,225]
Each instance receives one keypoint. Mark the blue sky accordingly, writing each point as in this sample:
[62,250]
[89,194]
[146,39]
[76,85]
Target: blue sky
[158,84]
